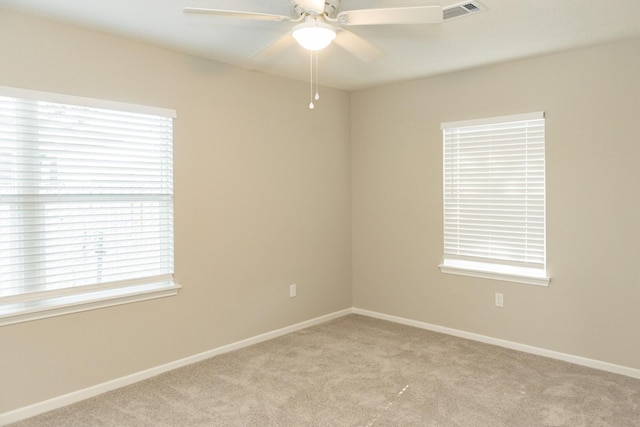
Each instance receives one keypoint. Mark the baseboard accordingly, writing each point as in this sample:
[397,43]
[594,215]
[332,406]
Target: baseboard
[77,396]
[591,363]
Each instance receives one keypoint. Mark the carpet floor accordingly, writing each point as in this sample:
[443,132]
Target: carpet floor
[359,371]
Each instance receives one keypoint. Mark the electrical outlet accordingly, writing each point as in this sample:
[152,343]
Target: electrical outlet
[292,290]
[499,299]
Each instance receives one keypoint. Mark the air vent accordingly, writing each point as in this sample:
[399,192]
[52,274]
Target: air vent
[462,9]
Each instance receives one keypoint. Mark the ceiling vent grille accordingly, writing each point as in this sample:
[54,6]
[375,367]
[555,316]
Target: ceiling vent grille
[462,9]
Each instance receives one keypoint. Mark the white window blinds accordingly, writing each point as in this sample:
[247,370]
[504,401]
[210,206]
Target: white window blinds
[494,194]
[86,194]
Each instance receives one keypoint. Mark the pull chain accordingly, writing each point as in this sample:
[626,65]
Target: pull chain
[311,106]
[317,97]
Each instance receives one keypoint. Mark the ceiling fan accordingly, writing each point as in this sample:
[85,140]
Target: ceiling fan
[318,23]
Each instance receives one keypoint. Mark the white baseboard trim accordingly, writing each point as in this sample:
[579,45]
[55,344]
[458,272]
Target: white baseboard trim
[578,360]
[77,396]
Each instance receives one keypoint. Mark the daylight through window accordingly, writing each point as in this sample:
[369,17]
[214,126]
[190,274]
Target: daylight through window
[494,198]
[86,200]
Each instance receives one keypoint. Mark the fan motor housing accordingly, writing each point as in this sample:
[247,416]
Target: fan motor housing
[330,8]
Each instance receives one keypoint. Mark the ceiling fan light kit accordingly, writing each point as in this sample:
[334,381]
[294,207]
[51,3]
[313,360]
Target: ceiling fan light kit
[314,34]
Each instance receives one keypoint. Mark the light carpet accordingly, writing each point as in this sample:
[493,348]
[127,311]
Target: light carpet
[359,371]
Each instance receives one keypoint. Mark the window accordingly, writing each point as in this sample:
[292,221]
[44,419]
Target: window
[86,204]
[494,198]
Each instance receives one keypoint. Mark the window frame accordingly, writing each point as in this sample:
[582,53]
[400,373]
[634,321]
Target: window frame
[484,265]
[43,304]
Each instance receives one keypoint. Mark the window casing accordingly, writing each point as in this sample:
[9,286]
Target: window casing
[86,204]
[494,198]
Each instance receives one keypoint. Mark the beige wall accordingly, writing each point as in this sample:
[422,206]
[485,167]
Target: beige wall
[592,102]
[262,200]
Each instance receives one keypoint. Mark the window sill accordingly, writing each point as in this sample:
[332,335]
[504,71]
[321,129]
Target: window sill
[529,276]
[18,311]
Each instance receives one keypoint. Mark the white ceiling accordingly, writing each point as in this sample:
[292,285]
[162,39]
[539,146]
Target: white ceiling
[509,29]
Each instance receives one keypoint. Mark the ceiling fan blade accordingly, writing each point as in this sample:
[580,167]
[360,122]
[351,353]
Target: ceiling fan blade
[238,14]
[392,15]
[272,48]
[316,6]
[358,46]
